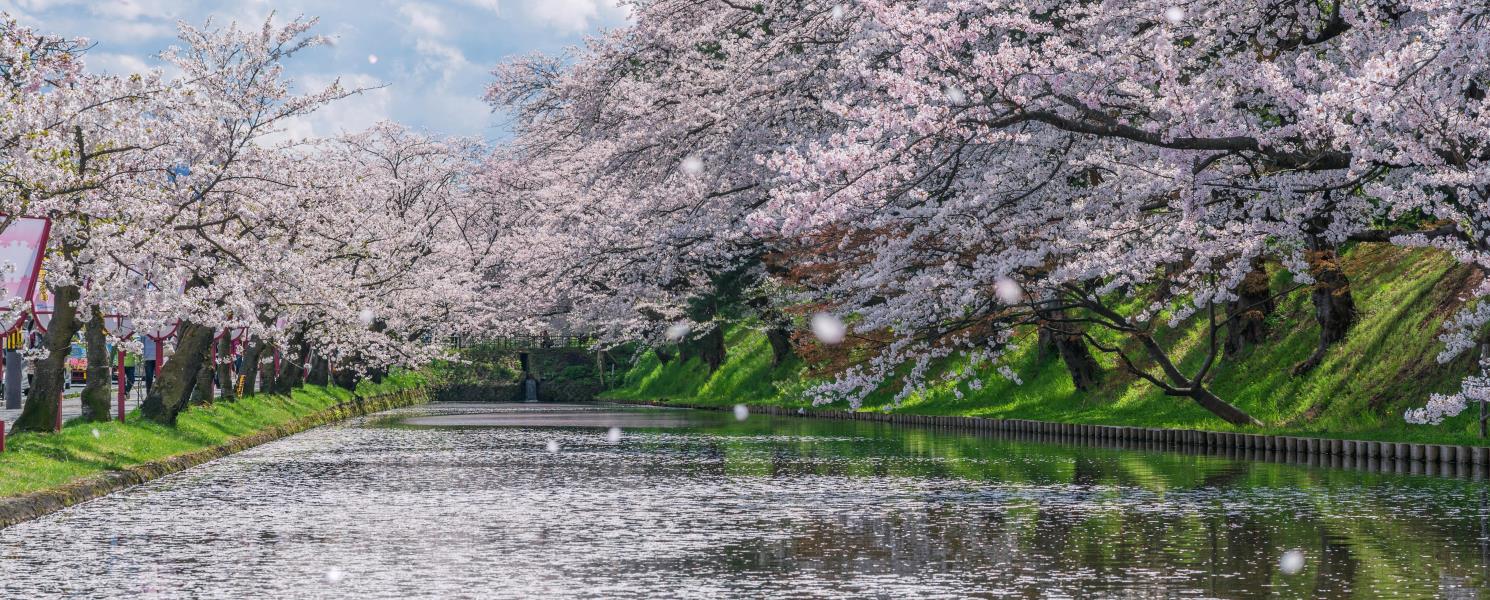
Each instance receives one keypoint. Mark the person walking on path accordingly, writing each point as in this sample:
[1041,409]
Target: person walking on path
[130,360]
[150,366]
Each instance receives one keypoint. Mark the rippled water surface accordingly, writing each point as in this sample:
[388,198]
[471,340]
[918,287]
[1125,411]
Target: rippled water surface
[469,501]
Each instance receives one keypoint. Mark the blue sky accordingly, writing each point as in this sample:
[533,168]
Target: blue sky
[433,55]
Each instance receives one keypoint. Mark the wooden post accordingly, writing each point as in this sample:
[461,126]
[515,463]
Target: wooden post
[121,384]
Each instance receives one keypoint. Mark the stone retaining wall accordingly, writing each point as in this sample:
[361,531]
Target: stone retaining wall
[1395,457]
[30,506]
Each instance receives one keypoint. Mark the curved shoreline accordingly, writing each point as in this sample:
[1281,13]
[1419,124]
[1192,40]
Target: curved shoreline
[19,509]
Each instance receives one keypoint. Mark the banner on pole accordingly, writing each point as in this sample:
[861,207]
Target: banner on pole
[22,247]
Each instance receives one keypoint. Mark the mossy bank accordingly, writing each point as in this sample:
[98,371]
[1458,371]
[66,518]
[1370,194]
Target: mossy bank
[1386,365]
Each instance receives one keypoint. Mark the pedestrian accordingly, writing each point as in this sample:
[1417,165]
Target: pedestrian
[150,366]
[130,359]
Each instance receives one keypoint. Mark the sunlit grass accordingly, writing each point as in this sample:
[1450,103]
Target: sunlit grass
[1386,365]
[745,376]
[39,461]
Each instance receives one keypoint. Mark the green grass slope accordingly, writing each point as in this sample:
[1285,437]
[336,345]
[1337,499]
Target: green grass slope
[1386,365]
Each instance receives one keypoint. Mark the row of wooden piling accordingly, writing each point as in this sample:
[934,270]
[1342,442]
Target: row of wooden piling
[1380,455]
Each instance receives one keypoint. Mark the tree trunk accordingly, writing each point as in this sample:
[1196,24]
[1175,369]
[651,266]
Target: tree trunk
[173,387]
[1247,315]
[251,357]
[95,396]
[40,411]
[1334,306]
[1220,408]
[225,367]
[205,391]
[1044,343]
[346,377]
[663,355]
[1085,372]
[1066,339]
[1193,387]
[291,375]
[320,371]
[711,348]
[781,345]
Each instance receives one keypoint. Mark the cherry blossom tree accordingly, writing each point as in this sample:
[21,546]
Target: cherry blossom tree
[660,129]
[1127,166]
[80,142]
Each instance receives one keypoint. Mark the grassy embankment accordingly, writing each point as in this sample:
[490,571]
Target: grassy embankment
[1386,365]
[40,461]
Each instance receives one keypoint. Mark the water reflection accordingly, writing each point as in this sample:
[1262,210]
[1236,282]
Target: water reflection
[470,501]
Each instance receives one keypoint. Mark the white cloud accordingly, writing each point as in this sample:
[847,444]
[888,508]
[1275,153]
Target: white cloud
[573,15]
[134,31]
[422,19]
[350,114]
[447,62]
[436,52]
[451,112]
[116,64]
[42,5]
[490,5]
[128,10]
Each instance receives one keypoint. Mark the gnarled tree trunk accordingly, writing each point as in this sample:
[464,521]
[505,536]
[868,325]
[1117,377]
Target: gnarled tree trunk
[291,373]
[95,396]
[1066,339]
[225,367]
[1085,372]
[1170,379]
[204,389]
[1334,306]
[346,377]
[251,357]
[173,387]
[781,345]
[320,371]
[711,348]
[1246,317]
[40,411]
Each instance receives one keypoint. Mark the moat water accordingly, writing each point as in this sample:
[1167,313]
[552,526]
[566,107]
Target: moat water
[532,500]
